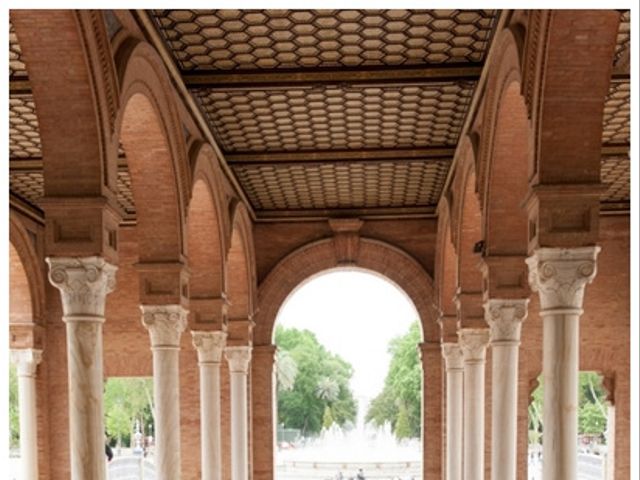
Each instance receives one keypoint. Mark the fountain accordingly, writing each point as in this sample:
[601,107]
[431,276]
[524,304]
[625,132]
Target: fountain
[375,450]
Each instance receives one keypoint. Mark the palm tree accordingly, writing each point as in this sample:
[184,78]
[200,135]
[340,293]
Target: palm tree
[286,370]
[327,390]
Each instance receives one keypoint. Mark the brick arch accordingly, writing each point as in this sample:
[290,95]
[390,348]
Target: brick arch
[446,263]
[468,223]
[73,84]
[567,81]
[505,154]
[149,129]
[27,287]
[240,268]
[205,227]
[316,257]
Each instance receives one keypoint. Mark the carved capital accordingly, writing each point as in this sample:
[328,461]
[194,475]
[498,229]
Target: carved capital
[26,360]
[473,342]
[84,283]
[560,275]
[238,358]
[452,354]
[165,324]
[505,319]
[209,346]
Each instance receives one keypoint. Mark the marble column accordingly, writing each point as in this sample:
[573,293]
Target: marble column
[505,319]
[454,366]
[210,346]
[473,342]
[560,276]
[26,360]
[84,283]
[238,359]
[165,324]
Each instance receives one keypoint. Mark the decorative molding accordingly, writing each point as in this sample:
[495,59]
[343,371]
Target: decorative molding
[505,319]
[452,354]
[473,343]
[165,324]
[84,283]
[209,346]
[26,361]
[560,275]
[238,358]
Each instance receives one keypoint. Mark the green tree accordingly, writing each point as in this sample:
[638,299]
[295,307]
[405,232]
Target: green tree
[286,370]
[403,428]
[327,418]
[14,416]
[399,402]
[322,380]
[592,407]
[125,401]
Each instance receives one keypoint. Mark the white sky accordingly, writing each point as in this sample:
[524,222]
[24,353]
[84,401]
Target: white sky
[354,314]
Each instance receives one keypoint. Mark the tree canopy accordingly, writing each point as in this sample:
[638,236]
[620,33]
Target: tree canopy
[592,407]
[399,402]
[127,400]
[320,394]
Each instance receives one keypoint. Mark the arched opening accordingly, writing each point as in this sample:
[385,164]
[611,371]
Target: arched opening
[596,423]
[348,378]
[153,181]
[506,219]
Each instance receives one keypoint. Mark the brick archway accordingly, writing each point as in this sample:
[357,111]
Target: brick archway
[373,255]
[307,261]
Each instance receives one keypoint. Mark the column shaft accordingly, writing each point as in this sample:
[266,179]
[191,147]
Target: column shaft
[473,343]
[84,284]
[165,324]
[26,361]
[455,383]
[239,358]
[505,318]
[560,275]
[210,346]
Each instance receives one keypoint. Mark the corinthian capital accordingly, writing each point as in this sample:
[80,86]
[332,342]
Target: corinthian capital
[165,324]
[473,342]
[238,358]
[560,275]
[452,354]
[209,345]
[26,360]
[505,318]
[84,283]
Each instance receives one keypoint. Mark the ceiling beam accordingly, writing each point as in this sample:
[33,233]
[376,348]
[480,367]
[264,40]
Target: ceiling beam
[311,77]
[18,86]
[331,156]
[363,213]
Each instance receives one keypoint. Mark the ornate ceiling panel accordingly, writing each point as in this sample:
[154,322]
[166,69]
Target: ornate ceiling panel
[331,118]
[617,113]
[623,47]
[24,135]
[616,174]
[343,184]
[17,67]
[266,39]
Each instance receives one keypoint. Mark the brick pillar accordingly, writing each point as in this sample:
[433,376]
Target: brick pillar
[432,401]
[264,421]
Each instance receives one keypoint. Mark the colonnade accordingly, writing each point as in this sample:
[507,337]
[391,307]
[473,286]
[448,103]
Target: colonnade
[559,276]
[84,283]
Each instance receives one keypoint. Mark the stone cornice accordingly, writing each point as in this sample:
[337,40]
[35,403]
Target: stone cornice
[84,283]
[238,358]
[560,275]
[165,324]
[209,346]
[505,317]
[473,342]
[26,361]
[452,354]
